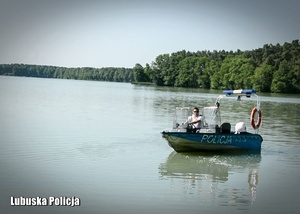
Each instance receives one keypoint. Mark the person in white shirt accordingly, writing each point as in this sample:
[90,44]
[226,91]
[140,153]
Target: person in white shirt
[196,120]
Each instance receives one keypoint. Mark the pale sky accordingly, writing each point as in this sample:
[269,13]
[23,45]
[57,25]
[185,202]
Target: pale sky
[116,33]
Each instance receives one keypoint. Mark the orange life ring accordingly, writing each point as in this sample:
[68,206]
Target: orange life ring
[258,122]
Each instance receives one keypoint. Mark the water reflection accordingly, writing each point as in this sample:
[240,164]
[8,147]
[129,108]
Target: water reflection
[219,176]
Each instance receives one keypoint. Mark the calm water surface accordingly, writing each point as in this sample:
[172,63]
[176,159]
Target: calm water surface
[101,142]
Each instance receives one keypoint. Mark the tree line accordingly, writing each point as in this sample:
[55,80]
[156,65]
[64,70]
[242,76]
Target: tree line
[85,73]
[272,68]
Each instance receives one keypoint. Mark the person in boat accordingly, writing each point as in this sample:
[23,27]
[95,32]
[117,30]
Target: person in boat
[195,121]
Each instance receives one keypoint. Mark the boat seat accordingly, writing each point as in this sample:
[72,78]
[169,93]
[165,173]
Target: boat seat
[225,128]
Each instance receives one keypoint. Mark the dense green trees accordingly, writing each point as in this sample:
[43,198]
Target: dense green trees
[273,68]
[102,74]
[139,74]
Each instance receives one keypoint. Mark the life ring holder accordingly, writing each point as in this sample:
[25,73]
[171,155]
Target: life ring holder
[256,124]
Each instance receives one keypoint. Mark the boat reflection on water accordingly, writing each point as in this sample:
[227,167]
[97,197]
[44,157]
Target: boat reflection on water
[225,176]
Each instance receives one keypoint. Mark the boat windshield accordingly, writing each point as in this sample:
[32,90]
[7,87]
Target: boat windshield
[180,117]
[212,116]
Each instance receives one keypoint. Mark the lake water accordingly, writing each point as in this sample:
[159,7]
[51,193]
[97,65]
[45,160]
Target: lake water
[101,142]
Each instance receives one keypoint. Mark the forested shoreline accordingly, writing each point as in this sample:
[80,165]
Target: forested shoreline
[272,68]
[42,71]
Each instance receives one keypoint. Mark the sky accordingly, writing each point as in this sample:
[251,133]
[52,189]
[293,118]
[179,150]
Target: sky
[121,33]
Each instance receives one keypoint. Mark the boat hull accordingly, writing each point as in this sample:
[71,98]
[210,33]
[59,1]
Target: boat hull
[193,142]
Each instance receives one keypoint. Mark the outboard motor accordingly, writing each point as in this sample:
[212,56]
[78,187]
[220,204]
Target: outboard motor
[240,127]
